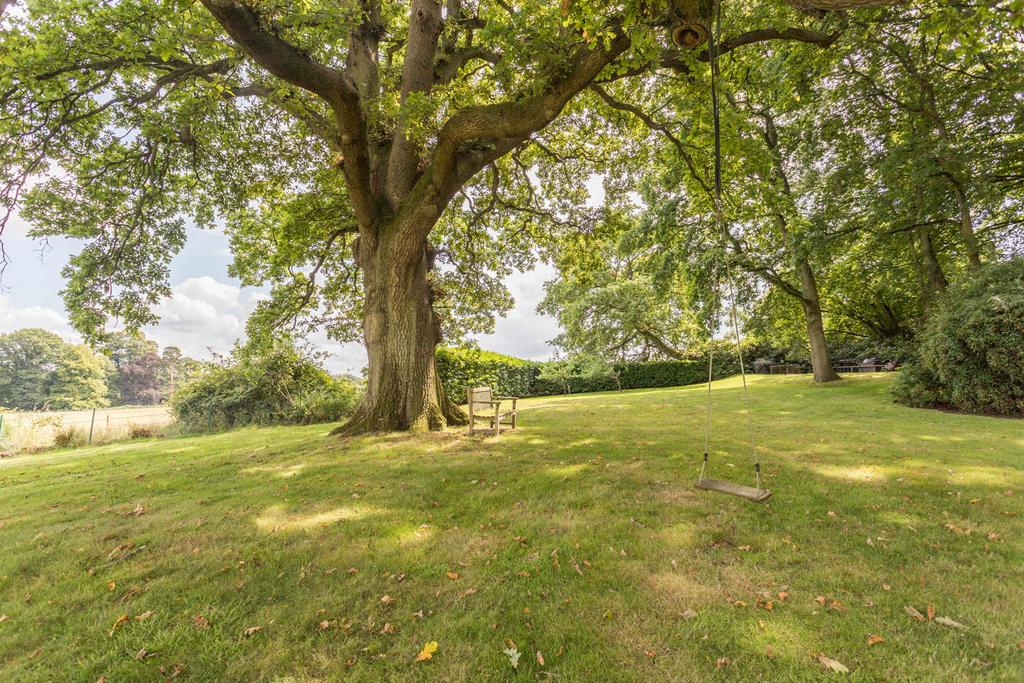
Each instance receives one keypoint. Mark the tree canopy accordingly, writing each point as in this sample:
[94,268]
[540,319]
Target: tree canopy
[380,165]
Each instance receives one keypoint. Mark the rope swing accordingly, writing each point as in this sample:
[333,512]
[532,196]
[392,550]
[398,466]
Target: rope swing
[758,494]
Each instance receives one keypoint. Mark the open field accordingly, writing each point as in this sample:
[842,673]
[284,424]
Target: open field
[578,538]
[23,431]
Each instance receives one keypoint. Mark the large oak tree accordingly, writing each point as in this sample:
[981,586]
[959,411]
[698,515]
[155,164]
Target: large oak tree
[354,150]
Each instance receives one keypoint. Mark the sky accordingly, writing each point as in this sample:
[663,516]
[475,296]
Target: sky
[207,309]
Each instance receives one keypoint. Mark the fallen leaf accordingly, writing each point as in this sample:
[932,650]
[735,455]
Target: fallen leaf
[768,652]
[352,570]
[837,606]
[427,652]
[387,600]
[137,512]
[913,613]
[145,615]
[832,513]
[142,654]
[4,617]
[199,621]
[120,622]
[722,661]
[875,639]
[513,655]
[930,612]
[783,595]
[250,631]
[388,629]
[946,621]
[540,658]
[453,575]
[821,599]
[688,614]
[993,536]
[101,679]
[832,664]
[111,586]
[886,587]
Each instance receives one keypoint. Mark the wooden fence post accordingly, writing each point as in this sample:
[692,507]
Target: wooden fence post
[92,423]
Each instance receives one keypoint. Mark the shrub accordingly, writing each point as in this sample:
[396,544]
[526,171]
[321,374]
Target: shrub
[136,431]
[275,385]
[67,437]
[971,353]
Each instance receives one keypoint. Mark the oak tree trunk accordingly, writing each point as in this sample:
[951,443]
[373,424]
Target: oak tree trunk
[821,365]
[933,279]
[401,332]
[967,227]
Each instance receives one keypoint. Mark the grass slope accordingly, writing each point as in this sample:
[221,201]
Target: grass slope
[579,536]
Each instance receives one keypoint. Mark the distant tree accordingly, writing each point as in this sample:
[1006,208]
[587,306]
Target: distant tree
[79,380]
[137,363]
[140,379]
[40,370]
[28,361]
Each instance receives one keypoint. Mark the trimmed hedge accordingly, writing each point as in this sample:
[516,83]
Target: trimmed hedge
[459,368]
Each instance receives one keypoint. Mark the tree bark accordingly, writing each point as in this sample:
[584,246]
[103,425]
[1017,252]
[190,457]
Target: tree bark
[821,365]
[401,333]
[967,226]
[933,279]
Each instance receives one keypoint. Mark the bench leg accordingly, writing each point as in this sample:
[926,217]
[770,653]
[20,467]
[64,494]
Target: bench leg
[497,422]
[515,414]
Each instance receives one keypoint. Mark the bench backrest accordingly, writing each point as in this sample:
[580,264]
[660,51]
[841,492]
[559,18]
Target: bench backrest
[479,395]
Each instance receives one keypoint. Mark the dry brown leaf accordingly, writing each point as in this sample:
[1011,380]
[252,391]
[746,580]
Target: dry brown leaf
[325,624]
[120,621]
[875,639]
[821,599]
[250,631]
[769,652]
[837,606]
[199,621]
[832,664]
[4,617]
[946,621]
[688,614]
[386,600]
[111,586]
[352,570]
[913,613]
[930,612]
[722,662]
[145,615]
[886,587]
[388,629]
[453,575]
[427,652]
[540,658]
[783,595]
[993,536]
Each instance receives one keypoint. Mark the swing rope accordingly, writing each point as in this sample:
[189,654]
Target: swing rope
[730,278]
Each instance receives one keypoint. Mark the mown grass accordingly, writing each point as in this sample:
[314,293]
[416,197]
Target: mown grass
[578,536]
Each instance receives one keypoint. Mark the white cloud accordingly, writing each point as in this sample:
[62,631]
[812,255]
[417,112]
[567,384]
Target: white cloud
[524,333]
[14,318]
[202,316]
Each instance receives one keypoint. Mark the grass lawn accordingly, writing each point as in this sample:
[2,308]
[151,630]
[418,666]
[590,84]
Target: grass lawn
[579,538]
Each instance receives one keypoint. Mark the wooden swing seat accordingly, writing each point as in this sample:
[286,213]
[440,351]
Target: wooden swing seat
[749,492]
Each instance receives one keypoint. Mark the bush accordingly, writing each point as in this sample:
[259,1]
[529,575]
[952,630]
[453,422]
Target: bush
[136,431]
[67,437]
[971,353]
[276,385]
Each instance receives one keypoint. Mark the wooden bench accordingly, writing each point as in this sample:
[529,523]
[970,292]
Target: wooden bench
[484,406]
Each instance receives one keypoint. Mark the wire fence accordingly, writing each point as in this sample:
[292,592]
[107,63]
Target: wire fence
[27,431]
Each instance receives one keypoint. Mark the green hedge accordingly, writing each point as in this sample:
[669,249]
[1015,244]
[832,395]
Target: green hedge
[460,368]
